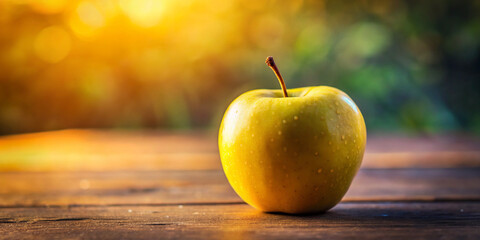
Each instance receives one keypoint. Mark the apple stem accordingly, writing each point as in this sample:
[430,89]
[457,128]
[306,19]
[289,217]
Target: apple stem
[273,66]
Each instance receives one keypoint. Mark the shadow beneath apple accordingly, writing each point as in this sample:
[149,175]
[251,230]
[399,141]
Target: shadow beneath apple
[424,214]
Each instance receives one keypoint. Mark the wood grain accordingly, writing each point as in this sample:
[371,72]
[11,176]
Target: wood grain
[211,186]
[448,220]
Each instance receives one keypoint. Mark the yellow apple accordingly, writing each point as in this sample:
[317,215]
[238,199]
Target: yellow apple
[292,152]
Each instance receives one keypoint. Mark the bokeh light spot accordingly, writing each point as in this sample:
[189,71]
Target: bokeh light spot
[52,44]
[365,39]
[145,13]
[86,20]
[90,15]
[362,41]
[313,41]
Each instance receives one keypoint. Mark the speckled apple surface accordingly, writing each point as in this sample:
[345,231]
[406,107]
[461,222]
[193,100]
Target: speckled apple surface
[296,154]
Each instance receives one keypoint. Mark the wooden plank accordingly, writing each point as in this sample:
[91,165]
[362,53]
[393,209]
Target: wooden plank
[88,150]
[211,186]
[452,220]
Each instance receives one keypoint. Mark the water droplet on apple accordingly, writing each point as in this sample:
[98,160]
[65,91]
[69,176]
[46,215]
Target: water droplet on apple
[295,118]
[253,135]
[284,121]
[343,137]
[319,170]
[279,132]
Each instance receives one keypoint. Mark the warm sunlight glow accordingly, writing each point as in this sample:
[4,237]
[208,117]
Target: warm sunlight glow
[90,15]
[52,44]
[178,63]
[86,20]
[145,13]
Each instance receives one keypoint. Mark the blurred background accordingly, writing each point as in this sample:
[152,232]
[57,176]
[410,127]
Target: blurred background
[412,67]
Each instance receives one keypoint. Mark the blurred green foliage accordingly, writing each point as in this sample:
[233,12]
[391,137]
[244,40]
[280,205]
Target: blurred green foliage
[410,66]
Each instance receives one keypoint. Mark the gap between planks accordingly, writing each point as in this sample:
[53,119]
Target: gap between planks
[361,201]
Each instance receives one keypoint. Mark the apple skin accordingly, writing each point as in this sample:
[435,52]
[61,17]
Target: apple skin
[293,155]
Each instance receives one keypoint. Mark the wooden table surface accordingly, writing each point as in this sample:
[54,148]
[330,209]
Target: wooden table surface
[85,184]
